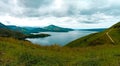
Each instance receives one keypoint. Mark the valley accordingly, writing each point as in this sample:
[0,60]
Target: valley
[59,32]
[96,49]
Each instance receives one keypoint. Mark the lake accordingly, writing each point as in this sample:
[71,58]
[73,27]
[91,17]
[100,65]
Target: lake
[60,38]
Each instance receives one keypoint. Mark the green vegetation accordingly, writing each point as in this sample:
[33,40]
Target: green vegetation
[18,35]
[10,33]
[98,50]
[99,38]
[37,35]
[6,32]
[22,53]
[18,32]
[28,30]
[54,28]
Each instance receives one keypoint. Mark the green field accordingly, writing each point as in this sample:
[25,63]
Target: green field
[22,53]
[92,50]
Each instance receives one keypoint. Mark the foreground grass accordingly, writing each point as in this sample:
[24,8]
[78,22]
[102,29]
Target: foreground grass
[23,53]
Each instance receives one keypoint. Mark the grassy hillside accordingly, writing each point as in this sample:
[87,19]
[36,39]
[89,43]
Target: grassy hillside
[10,33]
[15,52]
[6,32]
[22,53]
[18,32]
[99,38]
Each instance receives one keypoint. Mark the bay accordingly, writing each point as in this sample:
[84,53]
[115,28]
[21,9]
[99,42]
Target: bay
[60,38]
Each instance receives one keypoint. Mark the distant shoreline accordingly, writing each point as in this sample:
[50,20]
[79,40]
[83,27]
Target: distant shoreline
[37,36]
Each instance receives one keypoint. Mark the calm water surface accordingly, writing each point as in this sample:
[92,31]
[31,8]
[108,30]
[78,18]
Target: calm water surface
[60,38]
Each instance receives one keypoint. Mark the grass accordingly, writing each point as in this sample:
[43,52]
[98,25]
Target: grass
[98,38]
[92,50]
[22,53]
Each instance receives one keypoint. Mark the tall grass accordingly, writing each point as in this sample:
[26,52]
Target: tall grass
[23,53]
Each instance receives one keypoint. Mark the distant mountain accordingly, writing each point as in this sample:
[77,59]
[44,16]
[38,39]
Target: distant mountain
[28,30]
[93,29]
[19,29]
[6,32]
[108,36]
[22,32]
[2,26]
[36,30]
[54,28]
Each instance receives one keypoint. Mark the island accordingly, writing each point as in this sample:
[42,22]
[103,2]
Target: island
[37,35]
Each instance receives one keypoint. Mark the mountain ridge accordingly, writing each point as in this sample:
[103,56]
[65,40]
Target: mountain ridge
[57,28]
[28,30]
[6,32]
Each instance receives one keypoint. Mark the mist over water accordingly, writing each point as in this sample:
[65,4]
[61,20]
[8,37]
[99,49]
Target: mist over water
[60,38]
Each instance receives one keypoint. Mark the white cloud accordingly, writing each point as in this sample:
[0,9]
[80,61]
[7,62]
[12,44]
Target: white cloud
[65,13]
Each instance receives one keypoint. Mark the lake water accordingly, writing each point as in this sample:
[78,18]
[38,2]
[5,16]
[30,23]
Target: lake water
[60,38]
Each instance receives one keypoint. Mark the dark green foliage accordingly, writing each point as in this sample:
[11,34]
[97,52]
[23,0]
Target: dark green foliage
[37,35]
[6,32]
[2,26]
[9,33]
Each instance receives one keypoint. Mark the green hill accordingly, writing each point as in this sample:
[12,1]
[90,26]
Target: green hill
[2,25]
[6,32]
[19,29]
[109,36]
[15,52]
[19,32]
[54,28]
[23,53]
[26,30]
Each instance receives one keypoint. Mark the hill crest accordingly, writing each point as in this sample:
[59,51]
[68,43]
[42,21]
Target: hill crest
[108,36]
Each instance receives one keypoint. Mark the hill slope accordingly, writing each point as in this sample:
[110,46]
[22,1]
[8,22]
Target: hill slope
[18,29]
[109,36]
[15,52]
[22,53]
[54,28]
[6,32]
[28,30]
[2,25]
[25,30]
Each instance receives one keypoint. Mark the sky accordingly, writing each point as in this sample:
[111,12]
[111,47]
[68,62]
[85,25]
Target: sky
[78,14]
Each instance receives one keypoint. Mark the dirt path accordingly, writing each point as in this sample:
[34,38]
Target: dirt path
[107,33]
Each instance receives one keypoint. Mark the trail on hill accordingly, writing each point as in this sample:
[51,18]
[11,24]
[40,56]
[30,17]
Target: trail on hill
[107,33]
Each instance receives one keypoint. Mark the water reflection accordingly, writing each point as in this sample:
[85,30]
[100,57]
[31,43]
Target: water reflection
[61,38]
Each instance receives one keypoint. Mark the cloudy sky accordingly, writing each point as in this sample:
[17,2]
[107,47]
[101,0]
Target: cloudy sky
[65,13]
